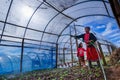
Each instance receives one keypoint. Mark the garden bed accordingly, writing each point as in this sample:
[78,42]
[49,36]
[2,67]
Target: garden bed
[74,73]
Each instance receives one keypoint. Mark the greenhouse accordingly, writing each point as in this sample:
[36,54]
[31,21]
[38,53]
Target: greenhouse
[37,35]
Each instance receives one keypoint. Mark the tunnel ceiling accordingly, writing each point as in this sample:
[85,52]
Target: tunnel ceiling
[44,22]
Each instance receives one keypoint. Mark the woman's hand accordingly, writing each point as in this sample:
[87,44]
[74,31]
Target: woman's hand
[90,41]
[73,36]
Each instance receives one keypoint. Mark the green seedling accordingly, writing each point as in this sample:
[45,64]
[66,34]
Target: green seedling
[39,78]
[97,74]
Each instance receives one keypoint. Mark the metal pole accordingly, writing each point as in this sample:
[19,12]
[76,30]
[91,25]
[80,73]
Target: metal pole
[109,49]
[3,30]
[21,59]
[56,55]
[106,8]
[64,55]
[103,71]
[76,42]
[103,58]
[76,35]
[71,47]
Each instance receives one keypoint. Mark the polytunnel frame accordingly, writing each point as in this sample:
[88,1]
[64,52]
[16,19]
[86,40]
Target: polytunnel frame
[75,20]
[26,28]
[67,41]
[80,18]
[108,44]
[22,47]
[72,19]
[71,22]
[50,20]
[61,12]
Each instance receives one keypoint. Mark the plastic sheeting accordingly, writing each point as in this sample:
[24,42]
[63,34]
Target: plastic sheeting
[31,29]
[32,60]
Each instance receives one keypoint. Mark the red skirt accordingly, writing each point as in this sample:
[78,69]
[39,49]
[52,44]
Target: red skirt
[92,54]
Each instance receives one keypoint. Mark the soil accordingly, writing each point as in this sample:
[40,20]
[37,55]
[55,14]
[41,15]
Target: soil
[74,73]
[113,72]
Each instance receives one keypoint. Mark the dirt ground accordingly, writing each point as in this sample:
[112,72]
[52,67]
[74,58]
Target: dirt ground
[113,72]
[74,73]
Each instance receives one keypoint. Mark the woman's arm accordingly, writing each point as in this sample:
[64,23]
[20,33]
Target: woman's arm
[78,36]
